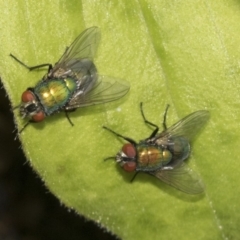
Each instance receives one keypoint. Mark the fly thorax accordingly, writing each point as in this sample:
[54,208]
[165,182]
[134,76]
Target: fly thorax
[151,158]
[70,84]
[54,94]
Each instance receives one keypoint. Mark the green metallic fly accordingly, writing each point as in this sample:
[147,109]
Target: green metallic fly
[73,82]
[163,154]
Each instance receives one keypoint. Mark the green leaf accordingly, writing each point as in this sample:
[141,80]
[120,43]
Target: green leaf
[185,53]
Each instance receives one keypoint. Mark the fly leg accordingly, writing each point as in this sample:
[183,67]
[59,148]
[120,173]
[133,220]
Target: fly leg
[134,176]
[25,125]
[150,123]
[121,136]
[165,117]
[67,116]
[33,67]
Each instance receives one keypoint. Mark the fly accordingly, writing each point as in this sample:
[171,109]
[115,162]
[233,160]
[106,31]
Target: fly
[163,154]
[73,82]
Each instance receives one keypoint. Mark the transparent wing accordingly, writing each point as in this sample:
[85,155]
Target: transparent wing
[188,126]
[181,177]
[83,47]
[105,90]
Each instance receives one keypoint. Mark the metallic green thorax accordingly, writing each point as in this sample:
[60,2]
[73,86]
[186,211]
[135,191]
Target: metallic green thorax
[151,158]
[54,94]
[154,157]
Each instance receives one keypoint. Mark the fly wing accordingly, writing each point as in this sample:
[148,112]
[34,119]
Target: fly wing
[105,90]
[188,127]
[83,47]
[181,177]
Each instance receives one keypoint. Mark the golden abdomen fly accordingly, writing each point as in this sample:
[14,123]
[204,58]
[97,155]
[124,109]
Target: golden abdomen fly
[163,154]
[73,82]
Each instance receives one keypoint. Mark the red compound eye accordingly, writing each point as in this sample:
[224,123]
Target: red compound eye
[27,96]
[129,166]
[129,150]
[38,117]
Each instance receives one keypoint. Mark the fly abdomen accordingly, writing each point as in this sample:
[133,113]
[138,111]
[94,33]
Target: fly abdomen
[180,149]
